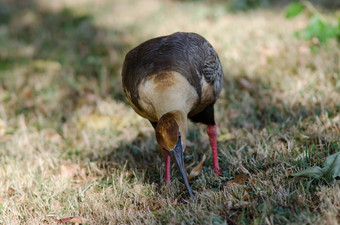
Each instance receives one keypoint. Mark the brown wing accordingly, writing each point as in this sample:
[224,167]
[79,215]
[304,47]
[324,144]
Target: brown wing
[186,53]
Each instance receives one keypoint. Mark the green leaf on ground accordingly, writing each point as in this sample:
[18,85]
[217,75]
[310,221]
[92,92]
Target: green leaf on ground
[330,170]
[294,9]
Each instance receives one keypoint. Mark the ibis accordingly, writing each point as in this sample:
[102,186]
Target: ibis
[170,80]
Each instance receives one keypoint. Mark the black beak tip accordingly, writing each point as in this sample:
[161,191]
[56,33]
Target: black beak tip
[192,197]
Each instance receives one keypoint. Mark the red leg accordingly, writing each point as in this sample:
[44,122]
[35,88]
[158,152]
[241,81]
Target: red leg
[167,166]
[212,132]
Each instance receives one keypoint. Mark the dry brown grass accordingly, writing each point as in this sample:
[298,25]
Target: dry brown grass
[71,146]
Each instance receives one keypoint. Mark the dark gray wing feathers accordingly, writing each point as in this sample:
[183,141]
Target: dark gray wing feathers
[212,70]
[186,53]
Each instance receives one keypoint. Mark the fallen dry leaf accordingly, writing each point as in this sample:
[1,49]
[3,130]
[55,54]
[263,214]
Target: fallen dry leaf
[245,84]
[225,137]
[254,181]
[26,93]
[129,174]
[197,169]
[239,179]
[68,171]
[73,220]
[245,197]
[10,191]
[188,165]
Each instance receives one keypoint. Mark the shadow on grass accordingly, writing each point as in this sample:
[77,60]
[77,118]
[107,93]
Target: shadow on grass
[143,157]
[90,56]
[254,102]
[69,37]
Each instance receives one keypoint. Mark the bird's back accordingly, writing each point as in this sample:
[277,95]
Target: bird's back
[187,54]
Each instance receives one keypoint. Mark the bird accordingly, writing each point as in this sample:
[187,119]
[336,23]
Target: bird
[171,80]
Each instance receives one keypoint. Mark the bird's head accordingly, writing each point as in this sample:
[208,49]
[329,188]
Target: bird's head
[170,128]
[169,131]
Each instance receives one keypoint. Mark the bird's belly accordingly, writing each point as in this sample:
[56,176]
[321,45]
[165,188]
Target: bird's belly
[165,92]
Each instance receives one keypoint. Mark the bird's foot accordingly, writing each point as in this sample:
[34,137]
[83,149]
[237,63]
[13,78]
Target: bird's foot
[217,171]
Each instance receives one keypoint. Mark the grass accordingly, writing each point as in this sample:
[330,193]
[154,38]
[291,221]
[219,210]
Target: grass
[71,146]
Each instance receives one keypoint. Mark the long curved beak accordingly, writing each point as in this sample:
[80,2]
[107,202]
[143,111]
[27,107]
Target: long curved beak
[177,153]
